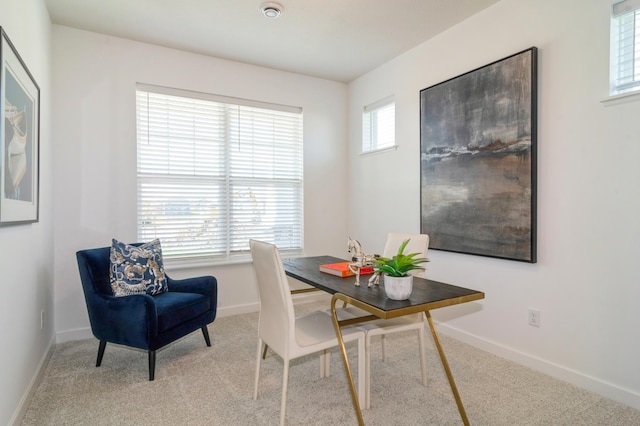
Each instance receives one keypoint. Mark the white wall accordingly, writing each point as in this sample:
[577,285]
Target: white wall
[586,280]
[26,251]
[95,157]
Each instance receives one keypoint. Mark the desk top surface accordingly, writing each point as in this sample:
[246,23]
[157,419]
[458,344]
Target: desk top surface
[426,295]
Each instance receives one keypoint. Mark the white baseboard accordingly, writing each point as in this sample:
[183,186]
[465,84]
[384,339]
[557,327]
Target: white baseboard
[75,334]
[22,407]
[584,381]
[230,311]
[255,307]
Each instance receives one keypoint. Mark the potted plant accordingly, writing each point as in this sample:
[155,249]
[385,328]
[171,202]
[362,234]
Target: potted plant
[398,283]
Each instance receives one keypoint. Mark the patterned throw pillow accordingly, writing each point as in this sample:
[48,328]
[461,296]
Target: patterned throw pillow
[137,270]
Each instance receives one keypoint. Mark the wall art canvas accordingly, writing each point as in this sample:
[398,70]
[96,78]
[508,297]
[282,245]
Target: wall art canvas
[478,160]
[19,138]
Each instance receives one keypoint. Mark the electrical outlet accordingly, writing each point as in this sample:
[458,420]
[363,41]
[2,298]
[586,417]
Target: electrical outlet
[42,319]
[534,317]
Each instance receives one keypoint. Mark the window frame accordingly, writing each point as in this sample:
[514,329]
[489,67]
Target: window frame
[228,249]
[618,11]
[371,126]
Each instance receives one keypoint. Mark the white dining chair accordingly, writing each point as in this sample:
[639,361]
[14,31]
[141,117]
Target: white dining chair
[419,243]
[287,335]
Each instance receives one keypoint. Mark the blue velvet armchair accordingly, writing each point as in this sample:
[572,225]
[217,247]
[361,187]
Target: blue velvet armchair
[140,320]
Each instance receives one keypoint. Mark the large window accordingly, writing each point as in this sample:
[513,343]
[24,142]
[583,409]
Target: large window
[379,126]
[214,172]
[625,47]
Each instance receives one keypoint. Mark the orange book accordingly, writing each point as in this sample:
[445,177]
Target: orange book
[341,269]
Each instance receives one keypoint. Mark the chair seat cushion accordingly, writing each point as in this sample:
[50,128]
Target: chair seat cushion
[317,327]
[380,326]
[174,308]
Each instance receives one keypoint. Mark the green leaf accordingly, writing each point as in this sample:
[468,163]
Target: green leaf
[400,264]
[403,245]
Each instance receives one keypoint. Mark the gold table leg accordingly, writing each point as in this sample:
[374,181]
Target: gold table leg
[354,394]
[343,350]
[445,364]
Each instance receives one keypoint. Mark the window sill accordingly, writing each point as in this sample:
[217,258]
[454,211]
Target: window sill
[378,151]
[621,98]
[181,264]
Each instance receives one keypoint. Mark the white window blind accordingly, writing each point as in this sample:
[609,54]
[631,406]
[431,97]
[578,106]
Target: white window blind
[625,46]
[214,172]
[379,125]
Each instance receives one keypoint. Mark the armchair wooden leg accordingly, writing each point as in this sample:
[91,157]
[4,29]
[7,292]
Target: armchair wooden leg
[205,332]
[103,344]
[152,365]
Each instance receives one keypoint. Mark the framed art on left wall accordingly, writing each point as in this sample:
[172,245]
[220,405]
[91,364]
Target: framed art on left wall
[19,138]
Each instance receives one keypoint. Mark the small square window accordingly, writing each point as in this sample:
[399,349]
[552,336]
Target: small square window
[625,47]
[379,126]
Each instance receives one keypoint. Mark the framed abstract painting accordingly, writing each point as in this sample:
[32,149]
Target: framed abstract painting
[19,138]
[478,160]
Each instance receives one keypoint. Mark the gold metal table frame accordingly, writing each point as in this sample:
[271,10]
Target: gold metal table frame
[427,295]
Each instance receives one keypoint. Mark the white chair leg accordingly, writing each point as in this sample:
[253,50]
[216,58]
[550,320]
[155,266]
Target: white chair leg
[362,373]
[423,355]
[285,382]
[327,363]
[367,372]
[258,362]
[384,349]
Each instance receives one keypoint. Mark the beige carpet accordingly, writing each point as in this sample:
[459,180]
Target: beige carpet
[197,385]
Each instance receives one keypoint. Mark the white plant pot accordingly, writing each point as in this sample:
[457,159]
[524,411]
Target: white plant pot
[398,288]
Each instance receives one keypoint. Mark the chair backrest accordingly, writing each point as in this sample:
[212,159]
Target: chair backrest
[419,244]
[94,270]
[277,318]
[94,267]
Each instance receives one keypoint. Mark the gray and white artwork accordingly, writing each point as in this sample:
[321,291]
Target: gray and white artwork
[477,149]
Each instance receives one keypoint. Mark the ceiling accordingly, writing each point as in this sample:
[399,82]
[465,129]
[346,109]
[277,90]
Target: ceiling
[333,39]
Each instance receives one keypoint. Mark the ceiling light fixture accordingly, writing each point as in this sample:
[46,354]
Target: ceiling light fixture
[271,9]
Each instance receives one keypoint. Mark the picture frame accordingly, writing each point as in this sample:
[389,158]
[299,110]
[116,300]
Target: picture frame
[19,138]
[478,162]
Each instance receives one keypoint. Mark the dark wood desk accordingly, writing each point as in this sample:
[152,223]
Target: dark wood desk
[426,295]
